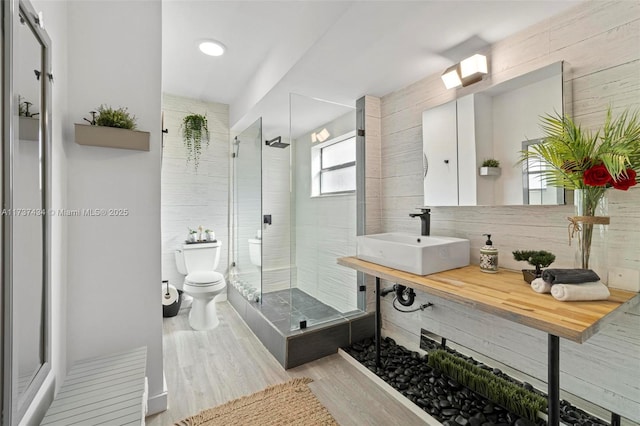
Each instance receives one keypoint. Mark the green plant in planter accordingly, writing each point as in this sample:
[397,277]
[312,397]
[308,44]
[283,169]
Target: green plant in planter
[490,162]
[538,259]
[511,396]
[110,117]
[195,130]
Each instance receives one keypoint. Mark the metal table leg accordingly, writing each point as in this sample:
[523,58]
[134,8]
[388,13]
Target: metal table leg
[553,380]
[615,419]
[378,322]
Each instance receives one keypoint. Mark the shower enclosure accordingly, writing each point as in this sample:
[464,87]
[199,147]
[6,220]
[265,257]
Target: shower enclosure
[294,214]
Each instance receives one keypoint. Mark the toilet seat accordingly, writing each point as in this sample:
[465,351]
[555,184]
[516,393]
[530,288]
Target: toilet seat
[204,278]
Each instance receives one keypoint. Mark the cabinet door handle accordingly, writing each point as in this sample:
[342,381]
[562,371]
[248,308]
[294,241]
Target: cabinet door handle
[425,165]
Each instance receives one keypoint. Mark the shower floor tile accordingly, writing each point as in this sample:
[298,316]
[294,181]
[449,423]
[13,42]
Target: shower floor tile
[277,308]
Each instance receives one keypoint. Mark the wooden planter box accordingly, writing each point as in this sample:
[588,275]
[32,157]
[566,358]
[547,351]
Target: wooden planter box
[489,171]
[29,129]
[111,137]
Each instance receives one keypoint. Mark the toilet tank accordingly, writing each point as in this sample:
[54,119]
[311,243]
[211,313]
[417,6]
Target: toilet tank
[255,251]
[200,256]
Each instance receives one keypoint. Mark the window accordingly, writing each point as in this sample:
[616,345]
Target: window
[333,166]
[534,184]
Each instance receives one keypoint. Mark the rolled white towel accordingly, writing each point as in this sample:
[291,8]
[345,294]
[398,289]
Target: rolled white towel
[540,286]
[574,292]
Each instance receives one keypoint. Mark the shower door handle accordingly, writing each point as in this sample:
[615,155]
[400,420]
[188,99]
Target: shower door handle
[266,219]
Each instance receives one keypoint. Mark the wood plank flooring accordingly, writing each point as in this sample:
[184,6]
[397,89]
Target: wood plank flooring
[207,368]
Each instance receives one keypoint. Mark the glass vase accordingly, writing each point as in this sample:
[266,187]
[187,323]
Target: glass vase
[588,230]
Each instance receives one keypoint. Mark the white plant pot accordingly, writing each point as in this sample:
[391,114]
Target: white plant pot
[193,237]
[489,171]
[211,236]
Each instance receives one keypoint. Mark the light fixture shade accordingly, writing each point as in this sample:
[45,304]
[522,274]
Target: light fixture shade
[322,135]
[211,47]
[473,66]
[451,78]
[314,138]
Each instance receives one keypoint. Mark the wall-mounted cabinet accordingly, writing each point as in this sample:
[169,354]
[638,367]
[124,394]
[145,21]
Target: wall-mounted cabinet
[111,137]
[456,138]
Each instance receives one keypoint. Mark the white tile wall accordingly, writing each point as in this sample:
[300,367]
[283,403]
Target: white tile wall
[599,40]
[190,198]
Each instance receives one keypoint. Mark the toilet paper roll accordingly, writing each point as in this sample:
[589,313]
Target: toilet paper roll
[171,298]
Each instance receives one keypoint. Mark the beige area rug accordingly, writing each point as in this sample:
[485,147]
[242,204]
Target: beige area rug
[290,403]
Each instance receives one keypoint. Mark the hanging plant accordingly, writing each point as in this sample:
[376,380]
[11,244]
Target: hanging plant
[195,130]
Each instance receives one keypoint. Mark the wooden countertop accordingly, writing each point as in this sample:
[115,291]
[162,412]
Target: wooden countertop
[507,295]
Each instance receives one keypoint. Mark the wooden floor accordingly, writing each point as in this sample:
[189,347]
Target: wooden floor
[207,368]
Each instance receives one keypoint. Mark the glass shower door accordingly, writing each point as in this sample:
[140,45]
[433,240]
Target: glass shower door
[323,211]
[247,215]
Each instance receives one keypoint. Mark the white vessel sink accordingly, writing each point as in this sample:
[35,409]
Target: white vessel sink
[420,255]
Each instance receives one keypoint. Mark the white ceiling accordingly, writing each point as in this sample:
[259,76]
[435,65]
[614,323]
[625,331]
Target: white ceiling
[332,50]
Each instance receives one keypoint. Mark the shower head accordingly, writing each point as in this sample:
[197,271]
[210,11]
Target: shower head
[276,143]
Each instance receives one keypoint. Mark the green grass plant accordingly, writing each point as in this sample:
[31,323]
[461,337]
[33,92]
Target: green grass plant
[514,398]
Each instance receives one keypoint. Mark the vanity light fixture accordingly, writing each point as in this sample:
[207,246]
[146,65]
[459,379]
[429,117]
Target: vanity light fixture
[469,71]
[472,69]
[211,47]
[451,78]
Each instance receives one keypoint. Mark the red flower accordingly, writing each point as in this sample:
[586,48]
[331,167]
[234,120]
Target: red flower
[597,175]
[623,182]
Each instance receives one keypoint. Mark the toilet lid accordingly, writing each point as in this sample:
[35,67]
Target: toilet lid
[204,278]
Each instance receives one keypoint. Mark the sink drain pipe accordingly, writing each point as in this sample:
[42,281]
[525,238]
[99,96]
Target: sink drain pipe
[406,297]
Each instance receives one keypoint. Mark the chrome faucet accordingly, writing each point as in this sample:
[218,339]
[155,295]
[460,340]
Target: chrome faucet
[425,217]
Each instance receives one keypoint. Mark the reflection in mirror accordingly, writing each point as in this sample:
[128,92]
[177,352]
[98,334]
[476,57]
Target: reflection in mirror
[535,190]
[28,228]
[460,135]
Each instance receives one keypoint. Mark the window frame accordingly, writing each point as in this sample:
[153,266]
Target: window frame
[317,168]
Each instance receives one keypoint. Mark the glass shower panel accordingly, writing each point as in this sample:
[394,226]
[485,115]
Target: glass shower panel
[323,226]
[247,203]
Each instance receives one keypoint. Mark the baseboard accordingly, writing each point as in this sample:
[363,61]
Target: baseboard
[159,402]
[419,412]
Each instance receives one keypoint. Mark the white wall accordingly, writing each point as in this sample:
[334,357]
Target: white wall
[599,40]
[114,263]
[193,198]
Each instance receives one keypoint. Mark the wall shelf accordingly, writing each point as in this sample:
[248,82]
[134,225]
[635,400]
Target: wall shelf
[111,137]
[489,171]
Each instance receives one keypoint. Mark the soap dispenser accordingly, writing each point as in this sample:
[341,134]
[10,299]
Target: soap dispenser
[489,257]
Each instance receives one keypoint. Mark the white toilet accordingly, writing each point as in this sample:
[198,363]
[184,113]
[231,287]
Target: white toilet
[198,262]
[255,251]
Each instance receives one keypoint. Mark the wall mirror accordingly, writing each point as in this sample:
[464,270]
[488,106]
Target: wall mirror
[25,262]
[497,123]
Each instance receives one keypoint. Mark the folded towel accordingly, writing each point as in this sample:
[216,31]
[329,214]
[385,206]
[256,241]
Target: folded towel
[569,276]
[540,286]
[586,291]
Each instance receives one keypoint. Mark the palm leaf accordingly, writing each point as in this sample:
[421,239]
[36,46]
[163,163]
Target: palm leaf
[569,150]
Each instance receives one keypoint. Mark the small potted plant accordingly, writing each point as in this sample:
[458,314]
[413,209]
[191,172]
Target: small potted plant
[538,259]
[112,128]
[490,167]
[193,236]
[195,131]
[210,235]
[29,122]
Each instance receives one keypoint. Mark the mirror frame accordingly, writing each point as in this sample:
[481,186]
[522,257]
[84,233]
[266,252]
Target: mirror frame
[14,407]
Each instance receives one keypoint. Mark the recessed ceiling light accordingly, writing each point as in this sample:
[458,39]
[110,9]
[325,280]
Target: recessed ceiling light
[211,47]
